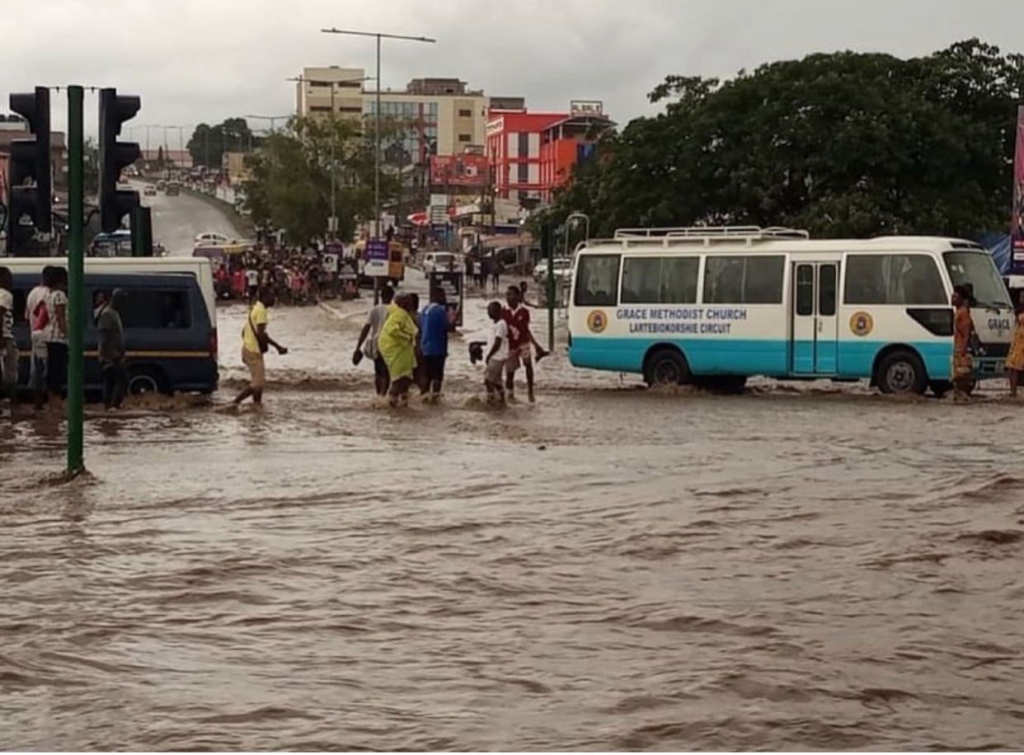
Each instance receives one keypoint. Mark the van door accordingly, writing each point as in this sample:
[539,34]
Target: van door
[815,320]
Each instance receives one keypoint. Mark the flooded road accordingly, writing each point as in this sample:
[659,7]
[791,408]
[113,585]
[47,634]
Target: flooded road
[796,568]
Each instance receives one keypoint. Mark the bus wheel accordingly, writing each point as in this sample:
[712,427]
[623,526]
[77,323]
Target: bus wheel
[902,373]
[941,387]
[666,367]
[146,381]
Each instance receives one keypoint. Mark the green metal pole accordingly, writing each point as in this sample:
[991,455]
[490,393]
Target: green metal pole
[547,242]
[76,282]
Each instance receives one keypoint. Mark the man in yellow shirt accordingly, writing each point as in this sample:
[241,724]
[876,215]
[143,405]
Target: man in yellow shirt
[255,343]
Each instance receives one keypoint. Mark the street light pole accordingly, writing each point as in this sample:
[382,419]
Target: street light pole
[378,36]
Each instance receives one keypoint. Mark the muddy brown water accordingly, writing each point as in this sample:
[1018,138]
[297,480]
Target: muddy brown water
[800,567]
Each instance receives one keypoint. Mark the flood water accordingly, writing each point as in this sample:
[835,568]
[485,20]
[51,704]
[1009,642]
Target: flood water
[798,568]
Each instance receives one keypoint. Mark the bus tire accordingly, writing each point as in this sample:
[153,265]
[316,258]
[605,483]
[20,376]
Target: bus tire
[666,366]
[147,380]
[902,372]
[941,387]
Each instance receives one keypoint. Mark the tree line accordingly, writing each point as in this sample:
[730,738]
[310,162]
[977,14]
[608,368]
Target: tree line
[843,145]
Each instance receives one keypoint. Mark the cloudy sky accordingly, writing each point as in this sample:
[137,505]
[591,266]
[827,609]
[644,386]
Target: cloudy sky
[204,60]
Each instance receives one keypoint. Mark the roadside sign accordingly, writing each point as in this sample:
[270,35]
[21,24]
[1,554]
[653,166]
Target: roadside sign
[452,284]
[376,256]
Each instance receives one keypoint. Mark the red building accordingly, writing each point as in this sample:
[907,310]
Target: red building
[531,154]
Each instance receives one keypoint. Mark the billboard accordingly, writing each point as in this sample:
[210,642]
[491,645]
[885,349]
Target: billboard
[585,107]
[459,170]
[1017,221]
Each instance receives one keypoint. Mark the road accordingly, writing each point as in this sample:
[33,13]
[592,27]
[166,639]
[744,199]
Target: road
[178,220]
[801,567]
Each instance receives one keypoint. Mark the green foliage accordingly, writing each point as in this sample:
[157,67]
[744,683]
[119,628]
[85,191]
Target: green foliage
[209,143]
[843,144]
[290,184]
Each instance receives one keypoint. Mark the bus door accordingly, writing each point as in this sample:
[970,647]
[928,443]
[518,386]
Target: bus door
[815,324]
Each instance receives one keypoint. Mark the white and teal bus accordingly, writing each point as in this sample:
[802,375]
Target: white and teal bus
[715,306]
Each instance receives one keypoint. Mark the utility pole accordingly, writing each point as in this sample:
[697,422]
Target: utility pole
[378,36]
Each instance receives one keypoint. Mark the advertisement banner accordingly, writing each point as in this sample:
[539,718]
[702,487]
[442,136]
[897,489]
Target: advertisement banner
[1017,221]
[376,259]
[452,283]
[458,170]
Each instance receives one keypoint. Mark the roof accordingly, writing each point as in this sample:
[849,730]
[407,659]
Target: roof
[760,245]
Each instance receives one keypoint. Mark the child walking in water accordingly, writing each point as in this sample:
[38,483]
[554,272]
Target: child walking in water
[497,353]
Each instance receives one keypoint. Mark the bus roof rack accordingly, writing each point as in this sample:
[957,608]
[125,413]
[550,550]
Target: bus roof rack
[706,234]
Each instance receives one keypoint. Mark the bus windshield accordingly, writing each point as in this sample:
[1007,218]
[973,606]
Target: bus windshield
[979,271]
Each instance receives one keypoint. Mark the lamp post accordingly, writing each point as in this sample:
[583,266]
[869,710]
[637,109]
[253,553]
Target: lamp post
[333,223]
[378,36]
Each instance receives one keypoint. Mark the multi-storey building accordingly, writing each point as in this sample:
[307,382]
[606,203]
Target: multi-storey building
[532,154]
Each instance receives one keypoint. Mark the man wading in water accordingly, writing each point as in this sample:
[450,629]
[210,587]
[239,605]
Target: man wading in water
[255,343]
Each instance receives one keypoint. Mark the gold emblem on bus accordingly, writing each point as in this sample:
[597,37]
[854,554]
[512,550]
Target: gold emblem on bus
[597,321]
[861,324]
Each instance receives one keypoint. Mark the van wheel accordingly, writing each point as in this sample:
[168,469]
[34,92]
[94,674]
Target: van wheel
[145,380]
[666,367]
[902,373]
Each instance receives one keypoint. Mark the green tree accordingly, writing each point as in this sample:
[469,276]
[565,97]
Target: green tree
[842,144]
[209,143]
[290,184]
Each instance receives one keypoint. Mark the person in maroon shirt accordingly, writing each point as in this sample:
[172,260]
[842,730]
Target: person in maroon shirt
[520,342]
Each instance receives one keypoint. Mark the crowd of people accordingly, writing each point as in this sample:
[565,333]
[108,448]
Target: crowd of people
[46,313]
[296,276]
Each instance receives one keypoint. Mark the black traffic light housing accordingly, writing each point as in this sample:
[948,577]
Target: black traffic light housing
[30,159]
[115,203]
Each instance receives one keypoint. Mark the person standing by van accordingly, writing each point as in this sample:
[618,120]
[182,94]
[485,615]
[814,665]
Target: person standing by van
[255,343]
[56,336]
[8,348]
[963,329]
[35,314]
[112,354]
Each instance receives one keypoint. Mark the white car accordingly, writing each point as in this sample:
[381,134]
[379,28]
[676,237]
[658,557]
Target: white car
[212,239]
[562,267]
[440,262]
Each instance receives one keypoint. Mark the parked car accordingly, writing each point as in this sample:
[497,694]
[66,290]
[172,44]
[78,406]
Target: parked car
[562,267]
[439,262]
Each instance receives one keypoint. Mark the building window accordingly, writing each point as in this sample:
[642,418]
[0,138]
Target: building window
[320,108]
[465,137]
[524,145]
[354,109]
[465,113]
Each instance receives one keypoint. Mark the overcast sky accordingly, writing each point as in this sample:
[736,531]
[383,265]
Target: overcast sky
[205,60]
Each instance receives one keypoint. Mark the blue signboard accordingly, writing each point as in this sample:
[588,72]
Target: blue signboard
[377,250]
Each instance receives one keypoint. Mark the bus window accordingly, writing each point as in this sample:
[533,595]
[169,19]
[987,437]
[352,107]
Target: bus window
[977,269]
[597,280]
[744,280]
[660,280]
[903,279]
[805,290]
[148,308]
[827,291]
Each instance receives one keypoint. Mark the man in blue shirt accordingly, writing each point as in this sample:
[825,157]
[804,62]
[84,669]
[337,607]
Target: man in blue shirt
[435,324]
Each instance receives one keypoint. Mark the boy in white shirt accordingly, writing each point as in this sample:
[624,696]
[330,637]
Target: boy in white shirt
[497,353]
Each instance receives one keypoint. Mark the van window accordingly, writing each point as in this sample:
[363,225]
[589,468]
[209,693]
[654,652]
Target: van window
[597,280]
[660,280]
[152,308]
[907,279]
[744,280]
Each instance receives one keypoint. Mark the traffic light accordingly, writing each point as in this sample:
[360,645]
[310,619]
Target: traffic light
[30,159]
[114,203]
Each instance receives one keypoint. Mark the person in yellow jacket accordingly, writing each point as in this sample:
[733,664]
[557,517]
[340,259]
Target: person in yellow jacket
[397,345]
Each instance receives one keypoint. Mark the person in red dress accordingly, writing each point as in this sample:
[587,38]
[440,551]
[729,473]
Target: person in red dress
[520,342]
